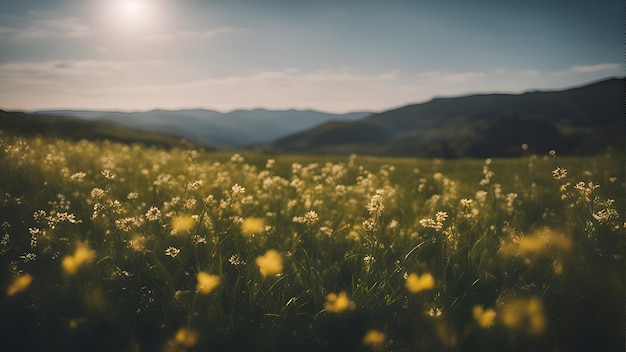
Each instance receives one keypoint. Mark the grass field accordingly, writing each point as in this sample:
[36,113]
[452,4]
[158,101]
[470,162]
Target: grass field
[112,247]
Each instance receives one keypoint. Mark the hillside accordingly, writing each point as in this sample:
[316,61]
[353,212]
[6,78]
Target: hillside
[76,129]
[583,120]
[235,129]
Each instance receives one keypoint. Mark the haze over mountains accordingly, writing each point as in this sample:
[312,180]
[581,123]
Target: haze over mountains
[235,129]
[582,120]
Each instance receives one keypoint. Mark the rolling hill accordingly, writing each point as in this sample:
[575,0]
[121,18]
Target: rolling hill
[235,129]
[582,120]
[76,129]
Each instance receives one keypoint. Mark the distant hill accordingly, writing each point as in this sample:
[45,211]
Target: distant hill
[76,129]
[236,129]
[583,120]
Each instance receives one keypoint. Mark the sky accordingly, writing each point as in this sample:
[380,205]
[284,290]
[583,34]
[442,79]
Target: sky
[334,56]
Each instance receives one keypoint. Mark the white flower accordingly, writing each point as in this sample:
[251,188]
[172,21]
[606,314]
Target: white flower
[108,174]
[153,214]
[97,193]
[559,173]
[172,251]
[237,189]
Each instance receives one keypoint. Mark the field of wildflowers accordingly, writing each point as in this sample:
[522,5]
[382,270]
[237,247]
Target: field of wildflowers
[107,246]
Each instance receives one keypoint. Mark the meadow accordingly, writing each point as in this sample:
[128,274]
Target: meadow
[107,246]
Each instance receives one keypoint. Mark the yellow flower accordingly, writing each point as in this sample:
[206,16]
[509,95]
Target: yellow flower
[186,337]
[374,339]
[138,243]
[484,318]
[252,225]
[82,255]
[524,314]
[542,243]
[19,284]
[416,283]
[271,263]
[338,303]
[182,223]
[206,282]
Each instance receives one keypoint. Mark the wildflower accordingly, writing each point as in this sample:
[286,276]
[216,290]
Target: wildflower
[338,303]
[197,239]
[309,218]
[467,202]
[524,314]
[132,195]
[78,177]
[126,224]
[189,203]
[326,231]
[541,243]
[108,174]
[206,282]
[236,158]
[252,225]
[271,263]
[82,255]
[28,257]
[172,251]
[559,173]
[484,318]
[153,214]
[185,338]
[416,283]
[137,243]
[557,267]
[374,339]
[237,189]
[375,205]
[97,193]
[235,260]
[208,199]
[194,185]
[481,196]
[19,284]
[436,223]
[182,223]
[434,312]
[369,225]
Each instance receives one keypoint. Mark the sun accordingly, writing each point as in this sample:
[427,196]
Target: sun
[133,9]
[125,15]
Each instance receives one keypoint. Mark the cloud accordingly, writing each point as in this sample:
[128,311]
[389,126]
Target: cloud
[295,76]
[332,76]
[68,27]
[453,76]
[595,68]
[196,34]
[58,70]
[145,84]
[529,73]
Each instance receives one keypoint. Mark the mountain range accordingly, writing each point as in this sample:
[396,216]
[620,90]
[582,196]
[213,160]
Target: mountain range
[235,129]
[582,120]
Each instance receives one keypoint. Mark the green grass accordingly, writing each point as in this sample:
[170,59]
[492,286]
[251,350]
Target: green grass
[112,237]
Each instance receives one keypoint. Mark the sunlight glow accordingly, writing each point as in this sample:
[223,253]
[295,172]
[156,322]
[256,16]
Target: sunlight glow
[130,15]
[132,7]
